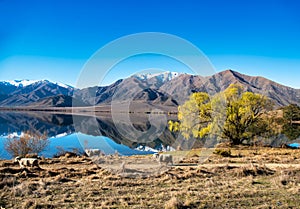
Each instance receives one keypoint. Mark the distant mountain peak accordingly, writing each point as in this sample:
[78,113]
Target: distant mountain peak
[22,83]
[161,76]
[167,89]
[27,82]
[230,72]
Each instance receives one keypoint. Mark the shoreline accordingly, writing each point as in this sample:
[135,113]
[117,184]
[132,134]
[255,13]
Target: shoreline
[83,110]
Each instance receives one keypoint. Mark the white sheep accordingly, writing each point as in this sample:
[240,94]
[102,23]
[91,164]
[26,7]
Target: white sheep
[27,162]
[93,152]
[163,158]
[155,156]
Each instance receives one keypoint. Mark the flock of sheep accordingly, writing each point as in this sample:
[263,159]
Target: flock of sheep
[31,162]
[166,159]
[161,158]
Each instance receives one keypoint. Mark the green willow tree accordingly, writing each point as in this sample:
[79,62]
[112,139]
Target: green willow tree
[291,113]
[194,116]
[291,117]
[232,114]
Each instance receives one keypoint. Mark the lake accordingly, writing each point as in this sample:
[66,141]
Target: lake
[126,134]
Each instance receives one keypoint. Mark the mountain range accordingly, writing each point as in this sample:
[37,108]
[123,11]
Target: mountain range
[141,92]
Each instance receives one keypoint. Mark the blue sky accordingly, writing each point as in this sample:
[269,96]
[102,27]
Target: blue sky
[53,39]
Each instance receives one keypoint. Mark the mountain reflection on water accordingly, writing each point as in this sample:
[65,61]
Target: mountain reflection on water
[91,132]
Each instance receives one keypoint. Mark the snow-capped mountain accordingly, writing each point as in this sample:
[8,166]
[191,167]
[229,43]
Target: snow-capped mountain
[26,92]
[161,77]
[27,82]
[21,83]
[167,89]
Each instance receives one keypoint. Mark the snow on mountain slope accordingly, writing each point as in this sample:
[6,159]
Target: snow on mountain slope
[162,77]
[63,85]
[21,83]
[26,82]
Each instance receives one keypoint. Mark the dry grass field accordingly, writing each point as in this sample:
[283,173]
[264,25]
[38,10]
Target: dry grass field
[241,177]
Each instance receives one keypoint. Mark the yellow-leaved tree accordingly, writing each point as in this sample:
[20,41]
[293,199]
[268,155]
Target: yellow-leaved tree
[232,114]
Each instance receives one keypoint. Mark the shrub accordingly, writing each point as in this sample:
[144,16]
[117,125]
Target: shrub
[223,152]
[28,143]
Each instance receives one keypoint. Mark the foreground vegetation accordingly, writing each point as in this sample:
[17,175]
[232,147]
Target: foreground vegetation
[238,177]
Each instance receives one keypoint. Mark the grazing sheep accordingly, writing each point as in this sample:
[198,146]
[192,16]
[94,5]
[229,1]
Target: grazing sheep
[163,158]
[93,152]
[155,156]
[27,162]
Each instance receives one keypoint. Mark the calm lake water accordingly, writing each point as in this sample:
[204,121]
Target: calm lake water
[141,134]
[133,134]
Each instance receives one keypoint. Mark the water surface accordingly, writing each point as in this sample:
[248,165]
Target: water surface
[68,132]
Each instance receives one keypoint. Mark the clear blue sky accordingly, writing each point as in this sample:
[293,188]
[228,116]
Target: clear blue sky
[52,39]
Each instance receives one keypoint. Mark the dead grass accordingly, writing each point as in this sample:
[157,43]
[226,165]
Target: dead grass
[245,179]
[174,203]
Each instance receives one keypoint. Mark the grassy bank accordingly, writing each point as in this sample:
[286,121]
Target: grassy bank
[246,178]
